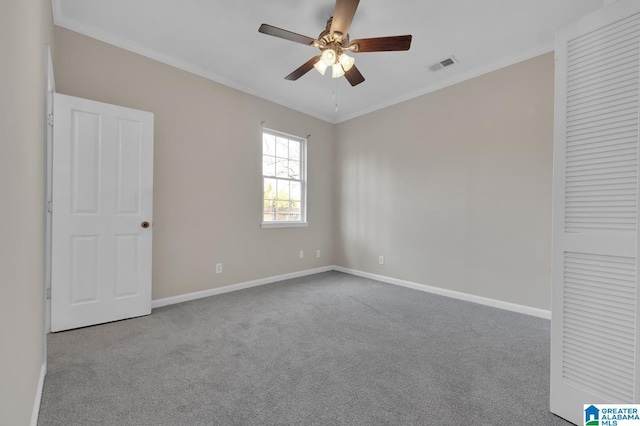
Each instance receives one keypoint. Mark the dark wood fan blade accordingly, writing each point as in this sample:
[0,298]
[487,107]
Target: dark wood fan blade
[305,68]
[381,44]
[354,76]
[287,35]
[343,15]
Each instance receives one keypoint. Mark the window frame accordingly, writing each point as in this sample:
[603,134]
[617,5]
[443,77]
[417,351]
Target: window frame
[303,181]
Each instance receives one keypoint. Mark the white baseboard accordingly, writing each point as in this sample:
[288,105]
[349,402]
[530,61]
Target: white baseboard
[521,309]
[235,287]
[36,403]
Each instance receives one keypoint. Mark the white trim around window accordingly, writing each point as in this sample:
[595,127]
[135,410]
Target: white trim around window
[284,180]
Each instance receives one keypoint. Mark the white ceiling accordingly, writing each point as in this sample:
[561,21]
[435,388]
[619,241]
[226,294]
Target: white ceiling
[220,40]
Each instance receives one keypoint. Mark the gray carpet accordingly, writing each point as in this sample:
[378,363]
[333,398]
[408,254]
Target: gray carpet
[328,349]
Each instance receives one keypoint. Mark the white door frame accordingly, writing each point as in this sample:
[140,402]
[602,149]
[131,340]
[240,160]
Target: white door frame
[50,90]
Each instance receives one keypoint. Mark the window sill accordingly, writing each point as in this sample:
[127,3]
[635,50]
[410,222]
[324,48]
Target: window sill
[266,225]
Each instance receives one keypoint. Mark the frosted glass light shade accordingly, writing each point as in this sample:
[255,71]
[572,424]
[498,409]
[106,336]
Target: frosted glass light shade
[346,62]
[337,71]
[320,66]
[329,57]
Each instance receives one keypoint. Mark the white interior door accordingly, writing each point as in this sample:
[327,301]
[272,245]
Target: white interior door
[594,328]
[102,203]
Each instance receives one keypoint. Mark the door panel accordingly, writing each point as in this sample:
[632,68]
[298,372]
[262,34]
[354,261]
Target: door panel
[102,192]
[127,265]
[85,162]
[85,270]
[129,163]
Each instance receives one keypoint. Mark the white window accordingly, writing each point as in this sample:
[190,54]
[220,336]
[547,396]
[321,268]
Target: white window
[283,180]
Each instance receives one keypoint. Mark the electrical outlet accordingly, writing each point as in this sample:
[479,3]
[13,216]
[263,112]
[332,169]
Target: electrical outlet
[218,268]
[317,253]
[301,254]
[381,260]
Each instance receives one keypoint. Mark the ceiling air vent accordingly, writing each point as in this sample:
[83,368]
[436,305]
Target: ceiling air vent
[445,63]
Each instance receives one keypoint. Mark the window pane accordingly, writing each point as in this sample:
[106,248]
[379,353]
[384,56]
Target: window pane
[282,150]
[295,210]
[296,191]
[284,211]
[294,150]
[268,144]
[281,167]
[293,216]
[269,210]
[269,189]
[269,216]
[283,190]
[294,169]
[268,166]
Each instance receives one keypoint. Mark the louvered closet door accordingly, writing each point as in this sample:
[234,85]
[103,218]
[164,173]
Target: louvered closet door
[594,337]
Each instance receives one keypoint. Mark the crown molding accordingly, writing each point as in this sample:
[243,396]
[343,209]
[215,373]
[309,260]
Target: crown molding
[130,46]
[104,36]
[476,72]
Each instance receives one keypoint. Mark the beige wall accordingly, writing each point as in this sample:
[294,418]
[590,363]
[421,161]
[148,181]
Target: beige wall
[207,168]
[25,27]
[454,187]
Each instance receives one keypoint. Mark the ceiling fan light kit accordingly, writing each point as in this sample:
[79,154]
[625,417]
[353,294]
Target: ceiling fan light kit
[334,41]
[346,61]
[320,66]
[329,57]
[337,71]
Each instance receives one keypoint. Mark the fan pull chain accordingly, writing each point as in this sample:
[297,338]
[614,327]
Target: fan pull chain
[335,93]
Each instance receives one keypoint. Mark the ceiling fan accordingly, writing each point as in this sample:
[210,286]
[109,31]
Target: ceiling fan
[334,41]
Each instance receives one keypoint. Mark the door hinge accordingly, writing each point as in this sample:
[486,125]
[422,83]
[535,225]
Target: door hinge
[50,119]
[49,293]
[49,206]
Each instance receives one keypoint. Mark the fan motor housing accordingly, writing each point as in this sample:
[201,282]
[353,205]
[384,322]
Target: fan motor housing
[335,40]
